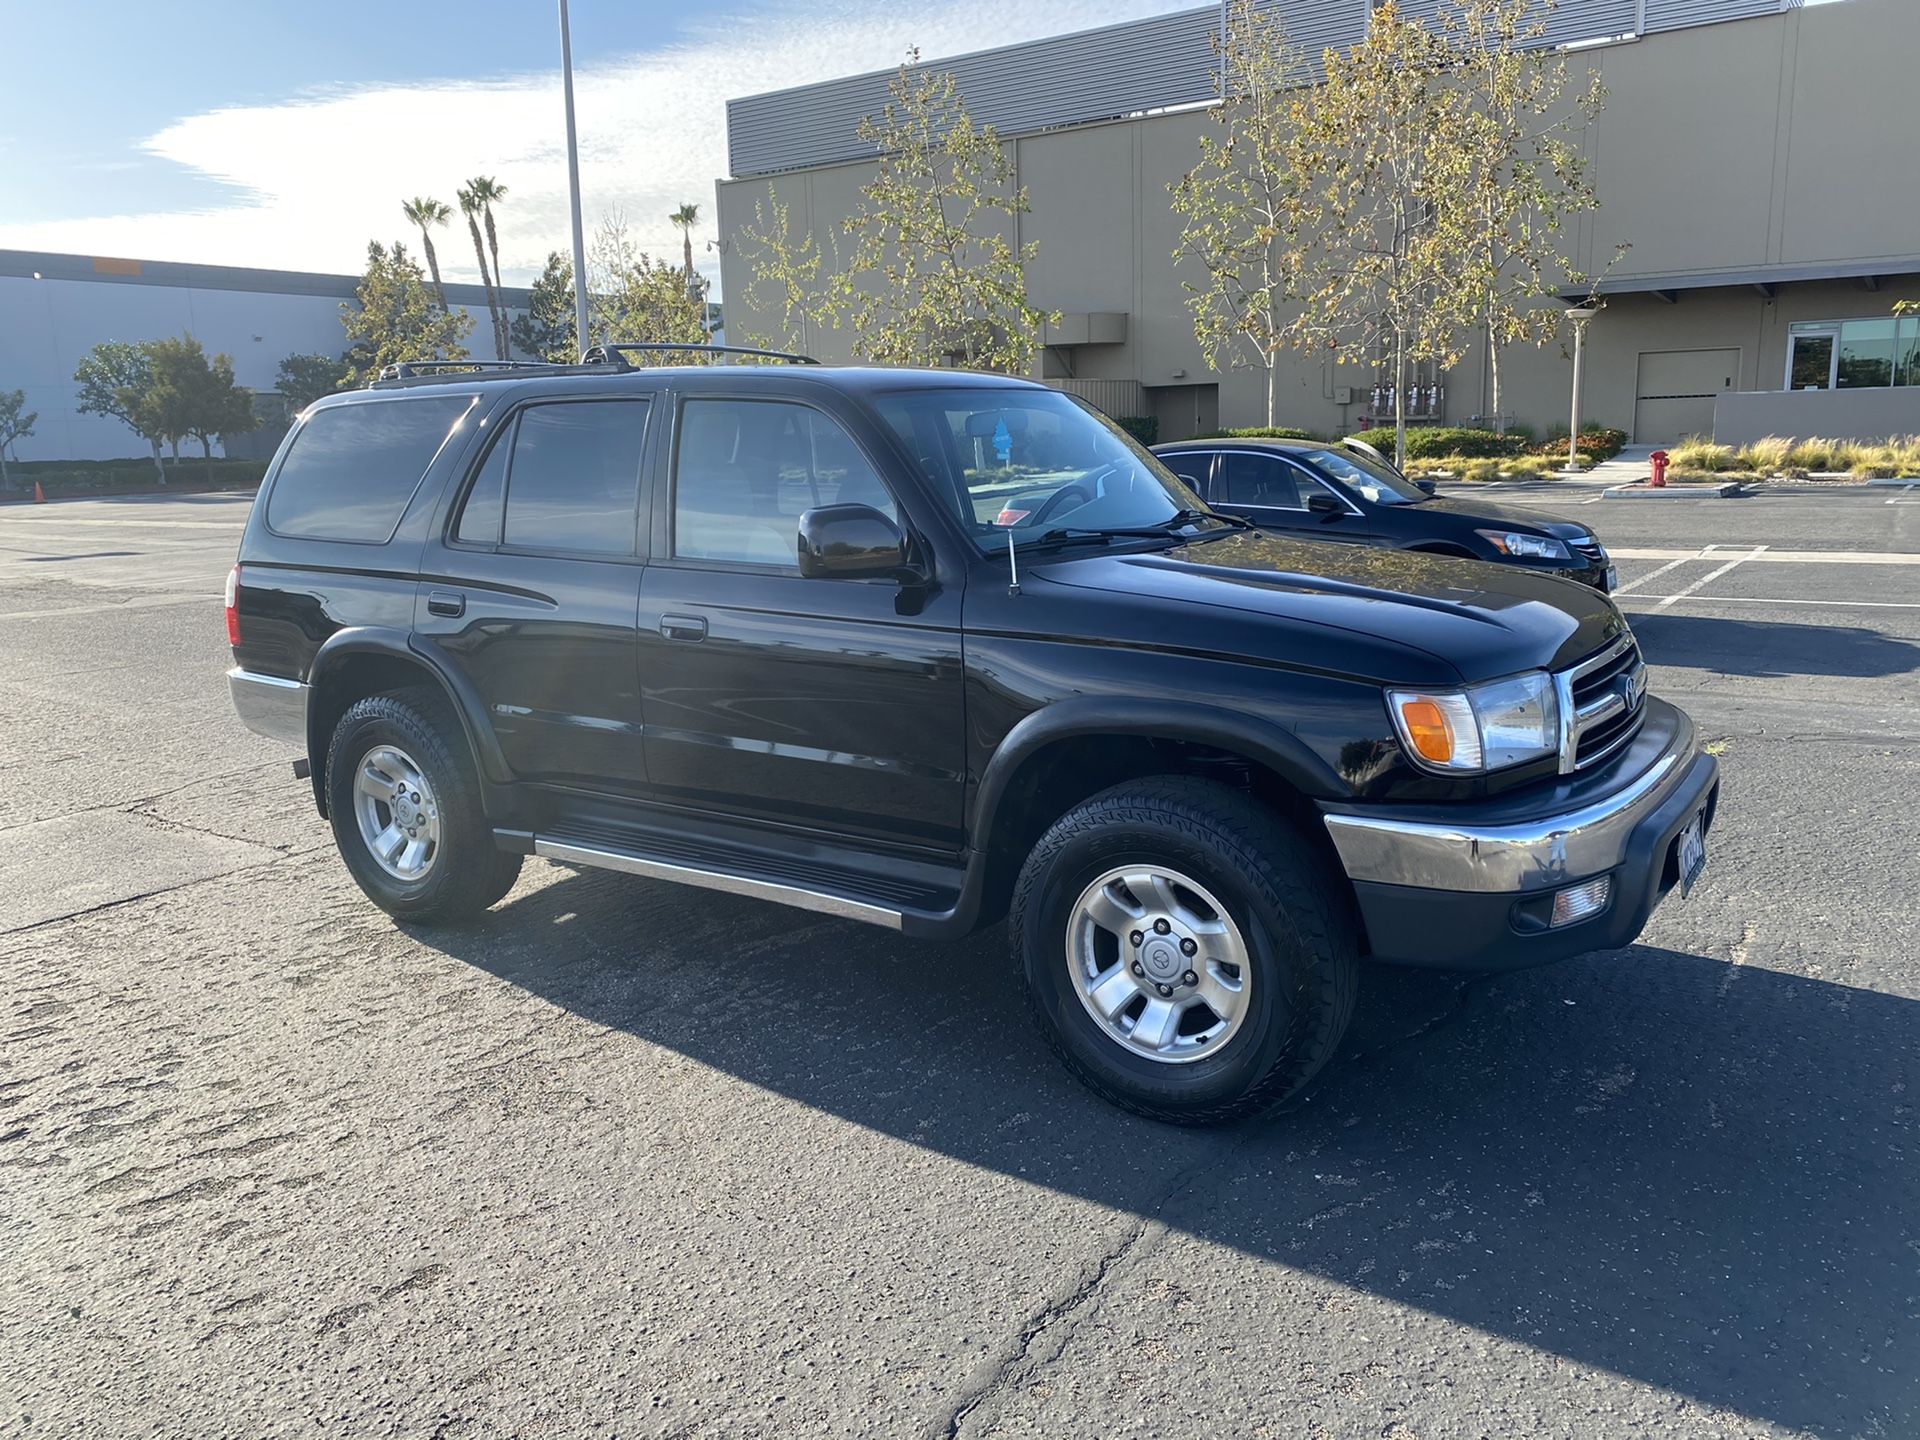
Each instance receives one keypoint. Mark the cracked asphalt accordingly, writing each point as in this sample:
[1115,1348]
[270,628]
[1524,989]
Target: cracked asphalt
[641,1161]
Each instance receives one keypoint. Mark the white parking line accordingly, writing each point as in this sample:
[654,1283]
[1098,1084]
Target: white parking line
[1777,557]
[1899,497]
[1771,600]
[1653,574]
[1711,575]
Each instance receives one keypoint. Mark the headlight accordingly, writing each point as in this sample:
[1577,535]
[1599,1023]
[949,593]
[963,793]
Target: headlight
[1525,547]
[1484,727]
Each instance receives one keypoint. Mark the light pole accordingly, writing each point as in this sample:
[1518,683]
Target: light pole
[573,189]
[1580,315]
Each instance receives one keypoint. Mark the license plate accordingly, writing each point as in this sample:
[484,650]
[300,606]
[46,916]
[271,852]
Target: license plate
[1693,852]
[1613,579]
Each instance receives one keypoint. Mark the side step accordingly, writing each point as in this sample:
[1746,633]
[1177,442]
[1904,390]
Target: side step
[915,905]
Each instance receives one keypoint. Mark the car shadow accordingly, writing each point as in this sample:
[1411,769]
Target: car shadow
[1767,649]
[1692,1173]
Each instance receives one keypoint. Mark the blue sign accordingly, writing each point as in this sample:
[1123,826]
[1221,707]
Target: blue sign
[1003,442]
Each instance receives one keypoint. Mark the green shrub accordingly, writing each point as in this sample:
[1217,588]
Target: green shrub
[1259,432]
[1428,440]
[80,476]
[1144,428]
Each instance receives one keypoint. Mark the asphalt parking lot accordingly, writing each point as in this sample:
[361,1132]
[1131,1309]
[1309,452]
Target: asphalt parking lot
[637,1160]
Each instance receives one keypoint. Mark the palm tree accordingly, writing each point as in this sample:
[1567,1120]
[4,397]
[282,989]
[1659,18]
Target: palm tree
[686,217]
[488,192]
[470,207]
[426,213]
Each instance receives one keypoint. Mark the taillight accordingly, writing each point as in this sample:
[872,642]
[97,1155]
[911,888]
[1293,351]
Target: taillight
[233,607]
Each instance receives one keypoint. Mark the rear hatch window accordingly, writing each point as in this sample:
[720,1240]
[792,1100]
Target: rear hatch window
[353,468]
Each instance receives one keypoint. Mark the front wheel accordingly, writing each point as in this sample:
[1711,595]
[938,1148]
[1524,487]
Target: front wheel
[1187,954]
[404,800]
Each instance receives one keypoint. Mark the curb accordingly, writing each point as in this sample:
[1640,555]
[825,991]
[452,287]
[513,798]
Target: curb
[1674,492]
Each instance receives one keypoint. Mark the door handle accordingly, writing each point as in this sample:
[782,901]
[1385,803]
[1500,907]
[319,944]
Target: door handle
[683,627]
[446,602]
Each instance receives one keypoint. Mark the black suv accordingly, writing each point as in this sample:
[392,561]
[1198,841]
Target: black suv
[928,649]
[1343,493]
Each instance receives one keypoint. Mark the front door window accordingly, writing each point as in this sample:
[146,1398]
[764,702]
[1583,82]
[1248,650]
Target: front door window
[1811,367]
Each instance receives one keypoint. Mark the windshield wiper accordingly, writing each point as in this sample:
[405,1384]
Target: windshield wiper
[1161,530]
[1189,517]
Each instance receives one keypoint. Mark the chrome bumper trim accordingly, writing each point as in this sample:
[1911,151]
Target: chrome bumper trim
[1519,858]
[269,705]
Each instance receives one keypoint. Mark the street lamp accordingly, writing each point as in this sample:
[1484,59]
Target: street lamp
[1580,315]
[573,189]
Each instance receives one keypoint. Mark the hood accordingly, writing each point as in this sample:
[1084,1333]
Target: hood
[1507,516]
[1480,619]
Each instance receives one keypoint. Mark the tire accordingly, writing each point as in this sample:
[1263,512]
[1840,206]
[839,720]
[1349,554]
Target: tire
[463,872]
[1297,939]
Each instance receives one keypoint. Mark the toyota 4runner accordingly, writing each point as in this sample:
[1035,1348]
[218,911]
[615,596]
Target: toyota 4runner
[928,649]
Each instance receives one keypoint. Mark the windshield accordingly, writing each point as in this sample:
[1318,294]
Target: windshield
[1364,475]
[1032,462]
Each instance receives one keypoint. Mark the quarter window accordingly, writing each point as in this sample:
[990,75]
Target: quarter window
[746,470]
[572,477]
[353,468]
[487,497]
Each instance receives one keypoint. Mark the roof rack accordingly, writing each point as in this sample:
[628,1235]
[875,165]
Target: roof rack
[616,353]
[410,369]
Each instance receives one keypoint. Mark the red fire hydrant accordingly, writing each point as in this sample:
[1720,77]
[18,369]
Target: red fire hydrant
[1659,479]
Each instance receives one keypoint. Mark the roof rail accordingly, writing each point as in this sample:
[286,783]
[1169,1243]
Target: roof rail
[408,369]
[616,353]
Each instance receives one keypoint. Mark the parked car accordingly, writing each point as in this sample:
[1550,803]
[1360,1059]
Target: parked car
[1344,493]
[927,649]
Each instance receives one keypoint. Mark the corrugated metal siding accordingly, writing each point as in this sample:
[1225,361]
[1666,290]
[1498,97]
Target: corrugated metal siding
[1681,14]
[1142,65]
[1568,23]
[1063,80]
[1115,397]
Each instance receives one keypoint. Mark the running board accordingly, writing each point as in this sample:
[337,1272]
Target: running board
[827,889]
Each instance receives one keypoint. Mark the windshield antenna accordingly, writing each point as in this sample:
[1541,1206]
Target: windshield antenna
[1013,566]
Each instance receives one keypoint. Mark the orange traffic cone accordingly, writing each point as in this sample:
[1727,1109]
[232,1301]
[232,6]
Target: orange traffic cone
[39,495]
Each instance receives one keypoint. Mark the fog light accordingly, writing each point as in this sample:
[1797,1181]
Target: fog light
[1580,901]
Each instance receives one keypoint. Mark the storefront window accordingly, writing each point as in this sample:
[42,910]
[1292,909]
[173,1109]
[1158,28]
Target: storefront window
[1853,354]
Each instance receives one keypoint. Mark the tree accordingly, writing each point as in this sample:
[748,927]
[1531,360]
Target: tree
[1240,204]
[304,379]
[933,279]
[470,206]
[546,330]
[685,218]
[1526,173]
[1379,150]
[393,318]
[115,380]
[785,275]
[488,192]
[426,212]
[632,296]
[197,398]
[16,423]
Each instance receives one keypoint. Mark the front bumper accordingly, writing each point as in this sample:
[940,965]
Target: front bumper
[1473,890]
[269,705]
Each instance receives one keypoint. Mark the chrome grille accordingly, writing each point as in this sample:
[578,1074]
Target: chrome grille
[1591,551]
[1602,704]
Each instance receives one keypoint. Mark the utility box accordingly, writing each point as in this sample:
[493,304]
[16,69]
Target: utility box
[1343,394]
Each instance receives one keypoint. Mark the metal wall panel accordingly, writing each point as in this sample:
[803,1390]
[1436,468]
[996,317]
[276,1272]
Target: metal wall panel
[1143,65]
[1099,74]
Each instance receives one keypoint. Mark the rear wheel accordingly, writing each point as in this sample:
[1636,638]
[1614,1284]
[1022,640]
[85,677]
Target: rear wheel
[1187,954]
[404,800]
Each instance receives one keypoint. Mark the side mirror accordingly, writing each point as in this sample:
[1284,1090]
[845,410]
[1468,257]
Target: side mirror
[849,542]
[1324,505]
[1427,485]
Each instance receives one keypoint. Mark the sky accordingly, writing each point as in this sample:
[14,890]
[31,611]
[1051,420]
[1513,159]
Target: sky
[286,135]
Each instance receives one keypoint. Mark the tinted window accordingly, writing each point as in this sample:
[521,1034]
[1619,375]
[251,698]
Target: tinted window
[353,468]
[486,498]
[574,476]
[1374,481]
[746,470]
[1260,480]
[1191,466]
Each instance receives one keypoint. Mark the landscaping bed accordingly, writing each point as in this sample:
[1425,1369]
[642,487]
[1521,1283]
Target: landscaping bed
[94,479]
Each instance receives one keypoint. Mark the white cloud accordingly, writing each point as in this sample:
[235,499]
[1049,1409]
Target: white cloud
[319,175]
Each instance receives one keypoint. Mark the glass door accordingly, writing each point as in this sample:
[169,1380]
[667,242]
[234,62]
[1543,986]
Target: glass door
[1810,360]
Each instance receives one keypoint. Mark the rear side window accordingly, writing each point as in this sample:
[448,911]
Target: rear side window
[1260,480]
[353,468]
[573,479]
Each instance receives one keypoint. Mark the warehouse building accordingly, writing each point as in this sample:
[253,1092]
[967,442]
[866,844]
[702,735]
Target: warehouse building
[1750,153]
[55,308]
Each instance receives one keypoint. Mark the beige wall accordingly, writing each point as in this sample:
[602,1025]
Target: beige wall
[1740,419]
[1757,145]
